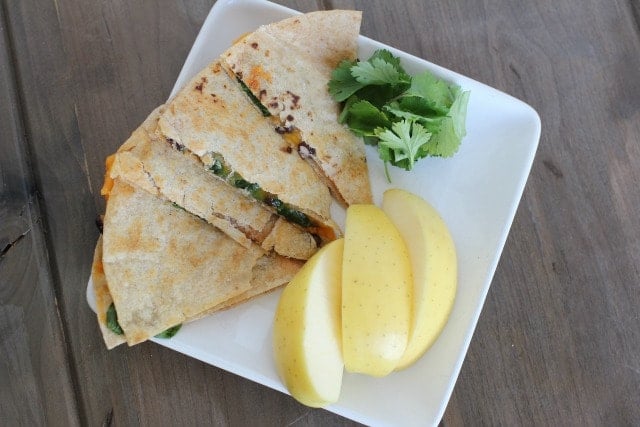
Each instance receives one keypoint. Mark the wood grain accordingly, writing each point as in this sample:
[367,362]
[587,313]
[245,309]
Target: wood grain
[560,334]
[558,341]
[36,385]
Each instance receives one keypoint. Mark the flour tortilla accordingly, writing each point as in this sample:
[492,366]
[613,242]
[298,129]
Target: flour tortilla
[269,273]
[211,114]
[165,266]
[287,66]
[327,36]
[146,160]
[103,299]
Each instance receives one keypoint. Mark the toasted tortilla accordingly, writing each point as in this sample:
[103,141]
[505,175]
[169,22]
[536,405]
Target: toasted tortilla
[146,160]
[212,116]
[103,298]
[329,36]
[287,66]
[269,273]
[165,266]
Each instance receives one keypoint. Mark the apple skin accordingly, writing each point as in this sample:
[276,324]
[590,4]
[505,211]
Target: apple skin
[376,292]
[434,267]
[307,331]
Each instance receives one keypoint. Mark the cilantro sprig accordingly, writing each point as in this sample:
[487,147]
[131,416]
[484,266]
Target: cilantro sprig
[406,117]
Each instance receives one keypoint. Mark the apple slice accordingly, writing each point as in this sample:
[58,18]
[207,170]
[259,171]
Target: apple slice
[434,267]
[306,335]
[376,292]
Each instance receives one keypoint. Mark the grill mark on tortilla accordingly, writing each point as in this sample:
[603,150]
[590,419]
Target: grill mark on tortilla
[340,160]
[146,161]
[203,138]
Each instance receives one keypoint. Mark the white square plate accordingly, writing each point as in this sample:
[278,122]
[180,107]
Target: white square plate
[476,192]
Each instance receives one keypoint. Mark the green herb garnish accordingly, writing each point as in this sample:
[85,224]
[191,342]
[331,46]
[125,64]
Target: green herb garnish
[407,118]
[112,320]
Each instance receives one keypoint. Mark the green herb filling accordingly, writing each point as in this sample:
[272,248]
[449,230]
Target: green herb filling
[255,100]
[168,333]
[114,326]
[220,168]
[112,320]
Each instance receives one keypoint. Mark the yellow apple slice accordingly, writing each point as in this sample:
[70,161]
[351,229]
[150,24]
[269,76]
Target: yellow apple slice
[376,292]
[434,267]
[306,335]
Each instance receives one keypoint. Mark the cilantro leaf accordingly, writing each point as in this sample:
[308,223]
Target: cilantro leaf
[363,118]
[435,92]
[445,143]
[380,95]
[394,108]
[342,118]
[421,106]
[377,71]
[412,107]
[343,84]
[458,113]
[387,56]
[382,70]
[403,144]
[408,118]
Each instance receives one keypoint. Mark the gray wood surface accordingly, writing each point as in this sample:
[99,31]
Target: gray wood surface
[558,341]
[36,376]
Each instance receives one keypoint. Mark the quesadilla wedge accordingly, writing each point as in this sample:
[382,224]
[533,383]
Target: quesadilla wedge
[103,299]
[269,273]
[287,66]
[212,118]
[164,266]
[146,160]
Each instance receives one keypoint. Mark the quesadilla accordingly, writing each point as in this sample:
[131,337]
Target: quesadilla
[212,118]
[164,266]
[269,273]
[287,66]
[103,299]
[146,160]
[213,201]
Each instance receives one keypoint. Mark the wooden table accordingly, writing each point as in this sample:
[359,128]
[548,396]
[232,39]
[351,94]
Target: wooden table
[558,341]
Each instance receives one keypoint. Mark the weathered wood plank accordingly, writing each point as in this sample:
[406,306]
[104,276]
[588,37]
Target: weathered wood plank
[559,338]
[36,386]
